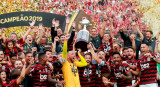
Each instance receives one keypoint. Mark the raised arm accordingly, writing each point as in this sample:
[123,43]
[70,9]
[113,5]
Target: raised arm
[64,53]
[156,47]
[94,55]
[55,24]
[29,66]
[41,33]
[66,27]
[72,34]
[111,28]
[133,42]
[154,57]
[123,36]
[103,28]
[139,32]
[31,26]
[83,62]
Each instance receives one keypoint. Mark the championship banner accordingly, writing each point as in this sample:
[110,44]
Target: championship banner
[23,19]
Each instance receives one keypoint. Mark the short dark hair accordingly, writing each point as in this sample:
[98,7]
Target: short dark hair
[28,52]
[89,53]
[1,49]
[125,48]
[41,55]
[99,51]
[20,53]
[115,53]
[1,70]
[150,31]
[57,64]
[145,43]
[47,49]
[12,55]
[61,35]
[132,48]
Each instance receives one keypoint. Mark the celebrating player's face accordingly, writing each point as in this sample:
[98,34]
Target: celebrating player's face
[71,55]
[45,58]
[94,32]
[130,53]
[29,39]
[125,52]
[101,55]
[3,76]
[1,55]
[62,38]
[49,55]
[18,65]
[29,57]
[144,48]
[116,59]
[88,59]
[59,32]
[148,35]
[106,37]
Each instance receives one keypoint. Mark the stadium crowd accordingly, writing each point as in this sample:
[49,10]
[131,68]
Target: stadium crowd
[34,60]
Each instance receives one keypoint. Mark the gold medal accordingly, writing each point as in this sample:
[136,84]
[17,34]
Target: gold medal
[99,75]
[89,80]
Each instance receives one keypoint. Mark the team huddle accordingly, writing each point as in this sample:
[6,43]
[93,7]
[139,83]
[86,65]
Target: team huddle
[35,61]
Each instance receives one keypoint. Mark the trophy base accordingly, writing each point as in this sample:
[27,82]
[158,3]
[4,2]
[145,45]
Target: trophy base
[82,45]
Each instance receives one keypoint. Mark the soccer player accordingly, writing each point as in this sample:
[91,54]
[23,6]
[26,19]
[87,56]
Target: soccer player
[147,65]
[131,61]
[41,72]
[120,71]
[70,64]
[88,74]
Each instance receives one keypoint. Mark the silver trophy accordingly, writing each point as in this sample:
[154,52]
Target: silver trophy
[83,36]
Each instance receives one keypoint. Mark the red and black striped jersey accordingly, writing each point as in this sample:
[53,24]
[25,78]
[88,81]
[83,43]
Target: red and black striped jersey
[116,71]
[87,75]
[110,62]
[148,68]
[100,71]
[12,83]
[107,48]
[8,69]
[4,84]
[132,62]
[54,73]
[40,75]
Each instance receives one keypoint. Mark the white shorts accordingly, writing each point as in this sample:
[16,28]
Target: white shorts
[149,85]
